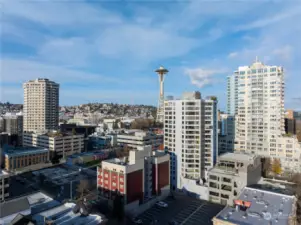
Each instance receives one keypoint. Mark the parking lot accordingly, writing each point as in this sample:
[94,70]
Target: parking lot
[184,210]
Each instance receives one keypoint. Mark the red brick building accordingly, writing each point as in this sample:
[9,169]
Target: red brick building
[144,174]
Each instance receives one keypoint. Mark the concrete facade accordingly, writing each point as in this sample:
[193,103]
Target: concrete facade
[41,105]
[63,144]
[139,138]
[231,174]
[260,125]
[190,136]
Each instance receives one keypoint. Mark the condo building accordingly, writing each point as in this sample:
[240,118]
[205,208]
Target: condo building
[260,125]
[226,133]
[190,136]
[41,105]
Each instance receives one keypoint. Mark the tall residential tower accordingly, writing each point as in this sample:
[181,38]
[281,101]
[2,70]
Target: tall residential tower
[41,105]
[260,115]
[190,135]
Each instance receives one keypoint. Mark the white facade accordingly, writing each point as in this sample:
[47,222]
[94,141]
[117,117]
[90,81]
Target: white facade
[139,138]
[63,145]
[41,105]
[260,117]
[190,135]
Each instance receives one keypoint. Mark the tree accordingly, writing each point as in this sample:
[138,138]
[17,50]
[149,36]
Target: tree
[55,158]
[276,167]
[83,187]
[266,166]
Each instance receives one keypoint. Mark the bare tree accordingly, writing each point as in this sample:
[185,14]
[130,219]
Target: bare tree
[83,186]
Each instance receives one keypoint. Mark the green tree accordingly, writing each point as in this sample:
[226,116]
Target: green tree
[276,167]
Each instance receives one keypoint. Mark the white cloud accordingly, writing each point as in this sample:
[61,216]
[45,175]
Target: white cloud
[203,77]
[59,13]
[232,55]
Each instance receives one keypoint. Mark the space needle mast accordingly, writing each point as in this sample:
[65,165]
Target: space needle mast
[160,111]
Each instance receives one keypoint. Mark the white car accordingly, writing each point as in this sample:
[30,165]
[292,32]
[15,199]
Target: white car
[162,204]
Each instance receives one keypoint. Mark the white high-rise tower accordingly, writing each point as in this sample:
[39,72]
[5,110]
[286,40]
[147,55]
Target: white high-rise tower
[190,135]
[260,115]
[160,111]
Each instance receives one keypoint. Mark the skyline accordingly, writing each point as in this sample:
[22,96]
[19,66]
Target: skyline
[200,43]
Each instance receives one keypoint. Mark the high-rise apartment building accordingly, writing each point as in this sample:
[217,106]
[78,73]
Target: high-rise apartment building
[190,135]
[226,134]
[41,105]
[231,95]
[260,115]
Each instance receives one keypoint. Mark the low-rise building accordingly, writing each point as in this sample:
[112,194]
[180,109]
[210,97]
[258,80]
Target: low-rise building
[231,174]
[145,174]
[98,141]
[63,144]
[139,138]
[4,185]
[255,206]
[20,157]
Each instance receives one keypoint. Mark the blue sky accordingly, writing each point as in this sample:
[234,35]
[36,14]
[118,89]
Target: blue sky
[106,51]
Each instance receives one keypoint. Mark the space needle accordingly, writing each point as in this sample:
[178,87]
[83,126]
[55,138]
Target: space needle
[160,111]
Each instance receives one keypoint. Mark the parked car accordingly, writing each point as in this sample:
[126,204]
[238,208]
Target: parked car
[162,204]
[137,221]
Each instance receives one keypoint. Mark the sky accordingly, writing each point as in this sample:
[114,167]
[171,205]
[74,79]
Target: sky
[107,51]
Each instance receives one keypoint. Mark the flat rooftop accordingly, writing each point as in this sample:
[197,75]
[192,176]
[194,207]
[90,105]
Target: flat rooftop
[18,151]
[64,174]
[238,157]
[63,214]
[265,208]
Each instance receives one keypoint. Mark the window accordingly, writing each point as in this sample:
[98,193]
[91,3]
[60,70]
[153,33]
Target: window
[213,193]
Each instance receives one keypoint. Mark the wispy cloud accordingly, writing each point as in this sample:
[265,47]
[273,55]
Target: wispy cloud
[19,71]
[203,77]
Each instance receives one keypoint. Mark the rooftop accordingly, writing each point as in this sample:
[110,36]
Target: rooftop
[255,206]
[18,151]
[238,157]
[13,206]
[63,214]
